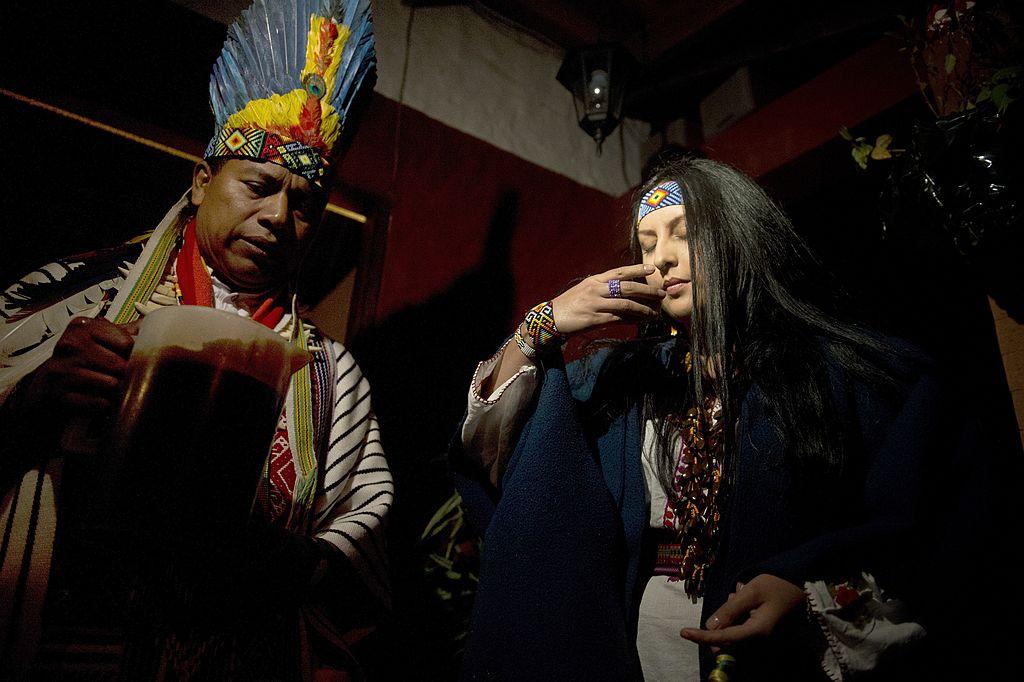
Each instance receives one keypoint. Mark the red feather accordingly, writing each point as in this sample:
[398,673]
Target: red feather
[328,34]
[309,117]
[308,129]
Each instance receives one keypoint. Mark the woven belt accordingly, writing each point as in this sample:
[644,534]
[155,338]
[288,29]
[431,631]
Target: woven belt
[668,558]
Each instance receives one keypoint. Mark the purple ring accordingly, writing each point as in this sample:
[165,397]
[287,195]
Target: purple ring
[614,288]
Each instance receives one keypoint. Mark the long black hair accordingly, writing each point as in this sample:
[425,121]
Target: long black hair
[764,313]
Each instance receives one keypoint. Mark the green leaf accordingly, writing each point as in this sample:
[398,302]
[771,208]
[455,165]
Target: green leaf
[845,133]
[1001,97]
[881,149]
[441,561]
[1006,73]
[446,513]
[950,62]
[860,155]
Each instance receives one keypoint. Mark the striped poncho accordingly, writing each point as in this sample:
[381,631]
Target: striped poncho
[353,488]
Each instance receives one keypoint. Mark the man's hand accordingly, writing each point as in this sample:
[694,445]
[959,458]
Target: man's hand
[83,376]
[752,611]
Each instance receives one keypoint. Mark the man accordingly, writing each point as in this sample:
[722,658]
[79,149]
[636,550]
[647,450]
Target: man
[305,580]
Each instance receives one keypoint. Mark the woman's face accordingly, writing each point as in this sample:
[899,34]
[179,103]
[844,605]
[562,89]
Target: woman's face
[663,241]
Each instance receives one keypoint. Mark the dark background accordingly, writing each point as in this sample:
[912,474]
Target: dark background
[464,236]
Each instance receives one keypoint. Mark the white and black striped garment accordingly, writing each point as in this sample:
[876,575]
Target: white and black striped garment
[357,489]
[33,314]
[354,493]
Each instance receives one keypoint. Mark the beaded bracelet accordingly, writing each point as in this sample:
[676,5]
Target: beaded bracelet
[540,326]
[524,347]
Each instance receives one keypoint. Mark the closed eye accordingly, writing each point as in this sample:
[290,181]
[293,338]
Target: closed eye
[647,239]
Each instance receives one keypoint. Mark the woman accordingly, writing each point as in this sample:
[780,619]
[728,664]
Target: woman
[749,455]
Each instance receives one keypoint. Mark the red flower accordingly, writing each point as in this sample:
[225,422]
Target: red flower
[846,595]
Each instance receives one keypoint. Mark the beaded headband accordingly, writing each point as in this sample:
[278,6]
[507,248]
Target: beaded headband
[665,194]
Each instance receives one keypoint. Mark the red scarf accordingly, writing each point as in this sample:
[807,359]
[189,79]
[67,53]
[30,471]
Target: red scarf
[197,287]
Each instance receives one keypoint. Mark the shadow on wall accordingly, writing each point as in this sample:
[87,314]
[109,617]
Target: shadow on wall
[419,362]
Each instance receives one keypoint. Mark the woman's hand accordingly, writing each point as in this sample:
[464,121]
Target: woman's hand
[590,303]
[753,610]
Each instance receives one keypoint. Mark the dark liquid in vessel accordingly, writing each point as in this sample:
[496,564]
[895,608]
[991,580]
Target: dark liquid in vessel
[163,512]
[192,442]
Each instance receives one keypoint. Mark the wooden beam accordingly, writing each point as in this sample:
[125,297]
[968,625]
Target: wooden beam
[866,84]
[570,23]
[147,135]
[666,27]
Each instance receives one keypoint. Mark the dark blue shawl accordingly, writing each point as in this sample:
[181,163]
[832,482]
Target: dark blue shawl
[559,589]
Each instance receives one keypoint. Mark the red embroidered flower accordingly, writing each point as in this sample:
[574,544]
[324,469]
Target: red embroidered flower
[846,595]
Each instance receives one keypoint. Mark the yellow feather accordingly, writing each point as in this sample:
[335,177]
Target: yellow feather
[330,127]
[281,112]
[339,45]
[313,42]
[278,111]
[314,47]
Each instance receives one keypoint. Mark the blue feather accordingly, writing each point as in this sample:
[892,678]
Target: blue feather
[265,52]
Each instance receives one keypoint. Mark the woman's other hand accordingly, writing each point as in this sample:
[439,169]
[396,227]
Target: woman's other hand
[591,303]
[754,610]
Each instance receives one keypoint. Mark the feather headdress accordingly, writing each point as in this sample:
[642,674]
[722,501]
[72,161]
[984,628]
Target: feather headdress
[287,79]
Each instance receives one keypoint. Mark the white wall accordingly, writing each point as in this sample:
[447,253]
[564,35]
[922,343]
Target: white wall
[498,85]
[490,82]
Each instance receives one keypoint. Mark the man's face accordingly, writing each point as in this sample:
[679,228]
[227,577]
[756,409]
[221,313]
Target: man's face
[253,221]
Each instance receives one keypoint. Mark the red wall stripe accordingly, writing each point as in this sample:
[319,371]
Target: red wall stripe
[869,82]
[443,200]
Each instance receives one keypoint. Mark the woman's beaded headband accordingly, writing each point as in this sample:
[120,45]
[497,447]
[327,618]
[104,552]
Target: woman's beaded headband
[665,194]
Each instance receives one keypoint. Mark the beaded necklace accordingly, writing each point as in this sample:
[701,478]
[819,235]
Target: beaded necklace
[693,507]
